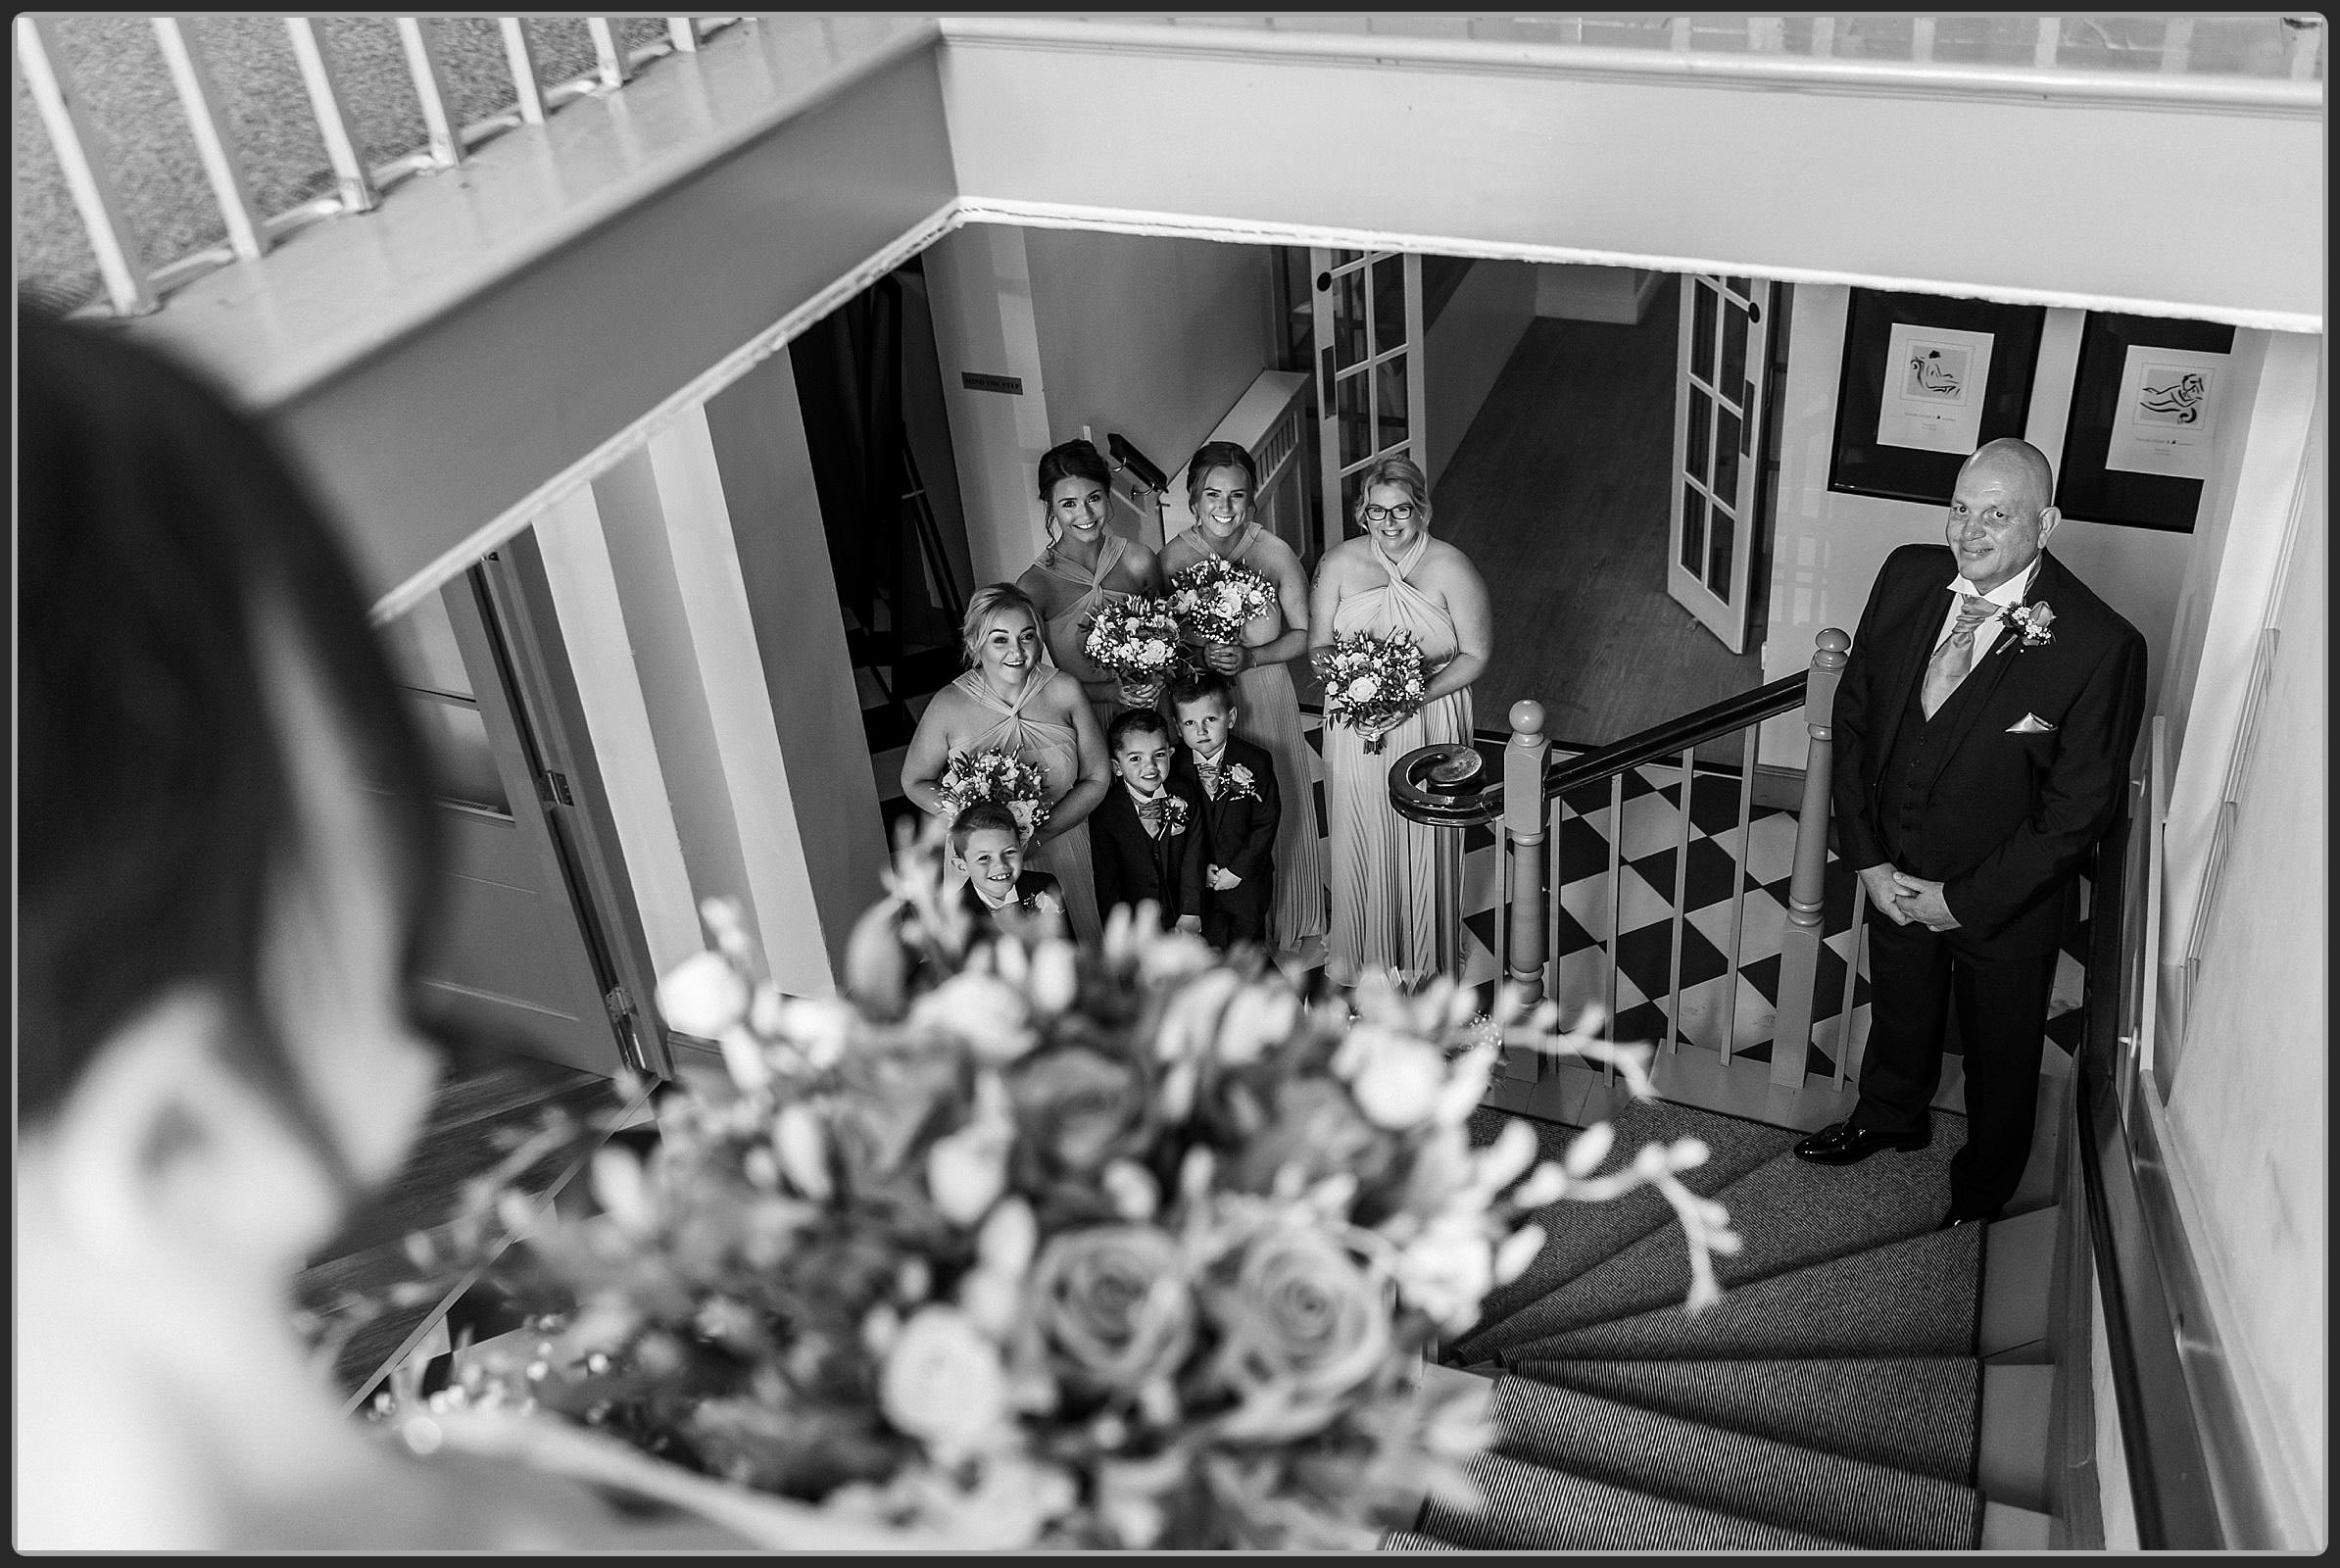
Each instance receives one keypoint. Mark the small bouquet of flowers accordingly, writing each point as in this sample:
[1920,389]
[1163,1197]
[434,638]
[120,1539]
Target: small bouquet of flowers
[1136,639]
[993,775]
[1017,1244]
[1215,600]
[1372,680]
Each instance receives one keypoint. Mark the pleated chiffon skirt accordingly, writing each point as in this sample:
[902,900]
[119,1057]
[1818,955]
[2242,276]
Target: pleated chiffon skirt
[1396,884]
[1271,718]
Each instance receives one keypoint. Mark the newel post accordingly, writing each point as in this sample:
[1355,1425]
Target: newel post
[1524,821]
[1799,945]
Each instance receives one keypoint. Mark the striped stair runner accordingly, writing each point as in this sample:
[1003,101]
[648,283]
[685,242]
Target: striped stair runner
[1829,1402]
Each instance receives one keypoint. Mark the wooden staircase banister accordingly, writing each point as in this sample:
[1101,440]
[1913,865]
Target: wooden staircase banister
[1448,785]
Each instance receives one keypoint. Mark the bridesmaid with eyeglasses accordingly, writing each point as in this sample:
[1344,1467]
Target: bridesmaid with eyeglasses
[1396,884]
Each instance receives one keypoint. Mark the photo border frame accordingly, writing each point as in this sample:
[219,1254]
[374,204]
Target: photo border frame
[1861,465]
[2084,487]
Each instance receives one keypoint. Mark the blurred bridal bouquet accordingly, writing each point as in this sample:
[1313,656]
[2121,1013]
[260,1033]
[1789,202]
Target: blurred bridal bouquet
[1021,1245]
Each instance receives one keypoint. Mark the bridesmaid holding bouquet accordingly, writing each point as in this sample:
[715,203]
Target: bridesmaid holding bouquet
[1396,884]
[1084,566]
[1221,486]
[1011,700]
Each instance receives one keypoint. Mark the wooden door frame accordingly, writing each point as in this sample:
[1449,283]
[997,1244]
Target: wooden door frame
[584,830]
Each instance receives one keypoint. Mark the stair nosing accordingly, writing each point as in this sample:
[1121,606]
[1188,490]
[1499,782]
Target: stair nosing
[1861,1470]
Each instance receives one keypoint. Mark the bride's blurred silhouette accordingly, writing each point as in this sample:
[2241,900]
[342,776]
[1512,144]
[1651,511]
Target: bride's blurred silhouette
[226,854]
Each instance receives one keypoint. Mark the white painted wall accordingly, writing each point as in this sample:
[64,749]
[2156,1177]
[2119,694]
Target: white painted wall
[979,288]
[1827,546]
[2246,1122]
[1154,338]
[1464,350]
[756,433]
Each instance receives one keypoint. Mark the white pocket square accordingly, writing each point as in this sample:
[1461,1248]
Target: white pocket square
[2031,724]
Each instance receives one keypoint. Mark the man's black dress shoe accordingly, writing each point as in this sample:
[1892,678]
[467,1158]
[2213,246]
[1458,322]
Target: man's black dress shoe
[1847,1145]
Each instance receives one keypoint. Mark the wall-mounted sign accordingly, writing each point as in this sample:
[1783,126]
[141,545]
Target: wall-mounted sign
[2147,397]
[977,381]
[1927,381]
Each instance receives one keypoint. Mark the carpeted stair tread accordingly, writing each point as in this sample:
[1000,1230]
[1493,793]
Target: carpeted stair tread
[1914,1413]
[1785,1485]
[1791,1213]
[1414,1541]
[1581,1235]
[1915,1297]
[1530,1508]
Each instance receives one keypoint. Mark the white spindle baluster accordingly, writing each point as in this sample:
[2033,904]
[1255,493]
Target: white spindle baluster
[520,55]
[430,89]
[322,79]
[684,30]
[215,139]
[1739,887]
[88,174]
[1682,876]
[609,53]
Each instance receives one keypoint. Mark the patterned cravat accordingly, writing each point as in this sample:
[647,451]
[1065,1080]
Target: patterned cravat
[1210,778]
[1956,656]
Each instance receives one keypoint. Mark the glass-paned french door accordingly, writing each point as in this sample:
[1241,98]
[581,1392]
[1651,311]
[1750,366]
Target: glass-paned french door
[1368,315]
[1718,449]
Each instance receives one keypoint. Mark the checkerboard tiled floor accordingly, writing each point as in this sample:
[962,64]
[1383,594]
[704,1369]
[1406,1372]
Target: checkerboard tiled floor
[1650,824]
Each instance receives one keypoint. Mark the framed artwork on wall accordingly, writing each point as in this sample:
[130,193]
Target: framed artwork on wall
[1926,381]
[2147,397]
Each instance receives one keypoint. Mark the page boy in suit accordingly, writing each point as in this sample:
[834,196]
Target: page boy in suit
[987,847]
[1149,837]
[1236,780]
[1984,727]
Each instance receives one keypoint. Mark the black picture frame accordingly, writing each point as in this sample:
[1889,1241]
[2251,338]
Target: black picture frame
[1862,465]
[2084,487]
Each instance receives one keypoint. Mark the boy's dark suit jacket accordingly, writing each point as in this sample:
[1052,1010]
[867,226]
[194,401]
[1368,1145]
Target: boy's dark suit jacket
[2008,812]
[1029,886]
[1243,840]
[1132,865]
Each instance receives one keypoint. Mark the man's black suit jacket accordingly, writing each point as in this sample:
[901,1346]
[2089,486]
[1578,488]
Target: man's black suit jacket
[2008,816]
[1132,865]
[1243,840]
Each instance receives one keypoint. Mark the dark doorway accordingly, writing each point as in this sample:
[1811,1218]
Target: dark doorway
[869,384]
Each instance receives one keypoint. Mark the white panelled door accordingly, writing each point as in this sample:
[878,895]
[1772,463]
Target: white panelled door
[1368,315]
[1719,397]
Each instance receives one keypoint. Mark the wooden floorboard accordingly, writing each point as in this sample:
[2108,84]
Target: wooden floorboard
[1559,495]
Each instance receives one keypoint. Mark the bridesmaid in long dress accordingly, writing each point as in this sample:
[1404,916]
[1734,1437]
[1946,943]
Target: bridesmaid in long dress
[1396,884]
[1086,566]
[1221,486]
[1012,700]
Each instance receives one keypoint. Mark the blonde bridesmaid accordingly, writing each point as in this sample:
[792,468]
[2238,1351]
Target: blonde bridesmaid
[1084,566]
[1012,700]
[1396,884]
[1222,487]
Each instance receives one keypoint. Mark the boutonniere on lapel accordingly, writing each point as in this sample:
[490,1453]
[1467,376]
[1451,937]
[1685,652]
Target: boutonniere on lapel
[1166,812]
[1237,784]
[2031,623]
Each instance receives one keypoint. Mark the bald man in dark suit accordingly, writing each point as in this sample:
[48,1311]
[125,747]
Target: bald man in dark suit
[1984,727]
